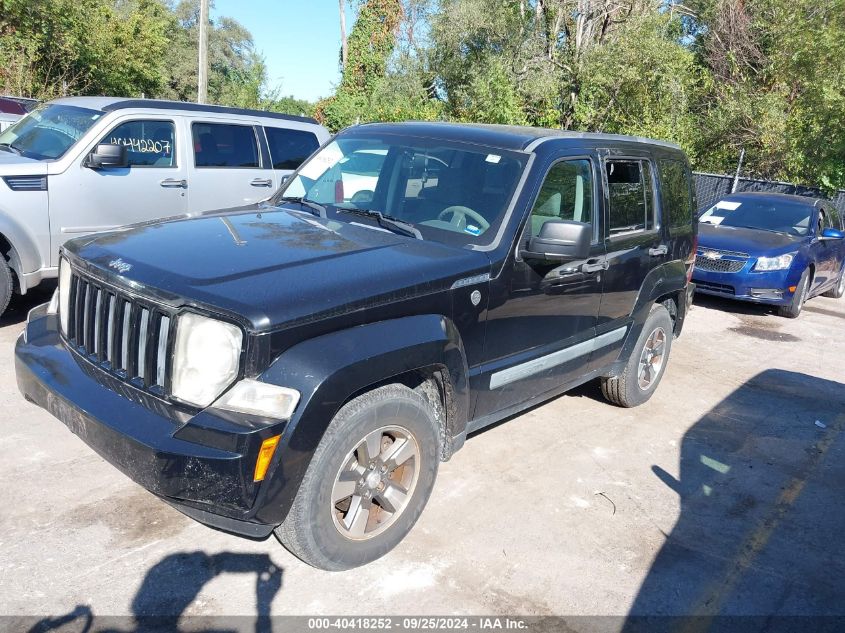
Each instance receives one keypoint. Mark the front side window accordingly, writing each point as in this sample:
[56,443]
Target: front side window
[148,143]
[289,148]
[448,191]
[48,131]
[631,193]
[224,145]
[566,194]
[676,188]
[832,218]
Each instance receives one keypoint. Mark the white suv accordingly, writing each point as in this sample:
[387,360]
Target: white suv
[85,164]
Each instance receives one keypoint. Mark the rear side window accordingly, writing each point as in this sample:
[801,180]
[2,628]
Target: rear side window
[148,143]
[631,192]
[566,194]
[289,148]
[676,188]
[224,145]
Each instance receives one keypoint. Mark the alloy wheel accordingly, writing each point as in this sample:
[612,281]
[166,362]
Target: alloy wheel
[375,482]
[651,358]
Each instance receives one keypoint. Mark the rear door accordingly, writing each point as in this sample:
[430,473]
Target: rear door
[85,200]
[634,240]
[228,167]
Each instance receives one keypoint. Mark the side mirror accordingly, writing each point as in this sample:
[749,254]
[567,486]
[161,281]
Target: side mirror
[560,240]
[832,234]
[108,156]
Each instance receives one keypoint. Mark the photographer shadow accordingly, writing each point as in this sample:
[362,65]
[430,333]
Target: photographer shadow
[169,588]
[758,545]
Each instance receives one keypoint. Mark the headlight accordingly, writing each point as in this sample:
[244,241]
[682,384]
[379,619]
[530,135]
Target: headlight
[206,357]
[64,294]
[781,262]
[259,398]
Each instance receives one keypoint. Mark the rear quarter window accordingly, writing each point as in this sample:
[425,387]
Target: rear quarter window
[290,148]
[676,187]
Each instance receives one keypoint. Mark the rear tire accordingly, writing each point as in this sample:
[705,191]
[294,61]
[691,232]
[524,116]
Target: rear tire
[6,286]
[380,453]
[839,290]
[646,365]
[792,310]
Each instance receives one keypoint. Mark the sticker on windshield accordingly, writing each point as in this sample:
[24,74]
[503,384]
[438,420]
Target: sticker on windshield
[322,162]
[493,158]
[728,206]
[472,229]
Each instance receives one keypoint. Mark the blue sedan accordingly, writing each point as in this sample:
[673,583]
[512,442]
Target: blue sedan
[771,248]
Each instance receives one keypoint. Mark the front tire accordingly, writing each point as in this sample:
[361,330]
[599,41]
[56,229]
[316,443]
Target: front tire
[792,310]
[646,365]
[6,286]
[368,481]
[839,290]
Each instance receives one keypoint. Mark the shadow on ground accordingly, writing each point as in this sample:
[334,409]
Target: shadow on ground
[761,526]
[20,305]
[169,588]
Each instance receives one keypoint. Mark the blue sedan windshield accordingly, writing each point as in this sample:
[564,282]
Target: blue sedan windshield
[765,214]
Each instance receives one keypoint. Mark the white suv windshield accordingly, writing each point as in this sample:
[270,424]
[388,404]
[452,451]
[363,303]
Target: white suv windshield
[449,192]
[48,131]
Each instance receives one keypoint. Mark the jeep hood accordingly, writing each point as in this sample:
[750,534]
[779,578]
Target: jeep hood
[743,240]
[275,267]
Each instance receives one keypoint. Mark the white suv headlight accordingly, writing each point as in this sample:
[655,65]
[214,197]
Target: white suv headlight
[781,262]
[206,357]
[64,294]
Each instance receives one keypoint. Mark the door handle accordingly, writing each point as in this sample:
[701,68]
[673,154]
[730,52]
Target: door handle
[660,250]
[174,183]
[594,267]
[262,182]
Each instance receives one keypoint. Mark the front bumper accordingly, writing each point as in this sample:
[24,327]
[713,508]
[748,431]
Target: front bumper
[202,463]
[765,287]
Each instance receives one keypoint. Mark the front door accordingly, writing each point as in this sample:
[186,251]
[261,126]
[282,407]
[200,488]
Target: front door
[541,318]
[85,200]
[227,168]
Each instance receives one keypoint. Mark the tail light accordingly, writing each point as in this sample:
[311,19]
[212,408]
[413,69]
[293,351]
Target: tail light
[338,191]
[691,259]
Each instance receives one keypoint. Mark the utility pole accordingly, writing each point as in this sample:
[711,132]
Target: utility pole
[202,74]
[343,49]
[738,170]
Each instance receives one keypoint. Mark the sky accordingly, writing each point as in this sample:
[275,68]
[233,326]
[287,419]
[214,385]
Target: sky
[299,39]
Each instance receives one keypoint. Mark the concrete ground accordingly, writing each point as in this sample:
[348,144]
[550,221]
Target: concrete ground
[723,494]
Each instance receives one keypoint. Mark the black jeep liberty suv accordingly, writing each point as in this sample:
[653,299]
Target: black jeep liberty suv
[301,366]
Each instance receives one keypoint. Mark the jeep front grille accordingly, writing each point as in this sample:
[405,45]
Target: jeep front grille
[124,336]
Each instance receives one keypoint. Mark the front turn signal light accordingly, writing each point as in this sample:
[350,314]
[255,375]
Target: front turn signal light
[265,456]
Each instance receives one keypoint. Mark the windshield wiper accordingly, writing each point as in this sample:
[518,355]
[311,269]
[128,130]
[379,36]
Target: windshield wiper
[390,223]
[315,207]
[10,148]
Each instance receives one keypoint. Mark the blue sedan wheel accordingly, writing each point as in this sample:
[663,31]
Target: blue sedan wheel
[840,287]
[792,310]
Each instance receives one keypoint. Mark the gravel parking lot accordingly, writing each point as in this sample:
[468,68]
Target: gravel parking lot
[723,494]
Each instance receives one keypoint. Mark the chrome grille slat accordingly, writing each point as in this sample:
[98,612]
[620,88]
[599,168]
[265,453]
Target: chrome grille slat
[143,334]
[119,333]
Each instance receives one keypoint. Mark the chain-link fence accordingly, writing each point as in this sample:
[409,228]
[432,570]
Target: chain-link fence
[710,188]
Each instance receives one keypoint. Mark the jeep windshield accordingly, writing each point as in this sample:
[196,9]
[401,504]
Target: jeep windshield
[449,192]
[48,131]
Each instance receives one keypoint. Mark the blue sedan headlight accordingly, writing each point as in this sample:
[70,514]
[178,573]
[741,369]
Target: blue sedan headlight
[781,262]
